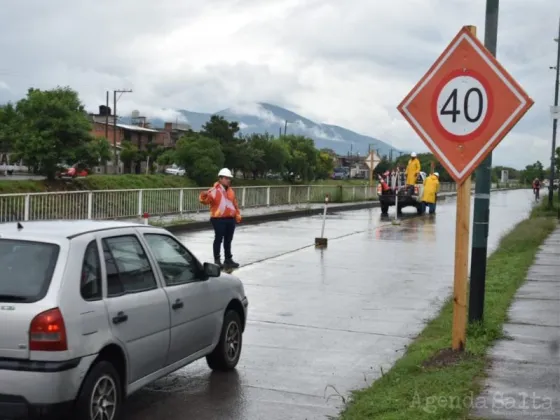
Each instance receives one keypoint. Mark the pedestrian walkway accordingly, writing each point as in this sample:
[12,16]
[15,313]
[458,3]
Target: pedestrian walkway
[524,380]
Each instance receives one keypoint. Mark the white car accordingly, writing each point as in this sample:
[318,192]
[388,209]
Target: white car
[91,311]
[175,170]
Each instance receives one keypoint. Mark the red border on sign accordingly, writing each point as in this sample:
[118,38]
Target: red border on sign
[489,109]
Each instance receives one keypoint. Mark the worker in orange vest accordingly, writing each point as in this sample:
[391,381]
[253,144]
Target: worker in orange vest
[224,214]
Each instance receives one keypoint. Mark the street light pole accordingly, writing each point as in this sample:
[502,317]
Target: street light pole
[554,126]
[481,216]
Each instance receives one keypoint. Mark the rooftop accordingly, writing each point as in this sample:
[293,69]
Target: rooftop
[101,120]
[61,228]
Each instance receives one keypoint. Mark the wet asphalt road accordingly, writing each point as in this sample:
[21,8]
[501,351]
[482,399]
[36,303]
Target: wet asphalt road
[322,322]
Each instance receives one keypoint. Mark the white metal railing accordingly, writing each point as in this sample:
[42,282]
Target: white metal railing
[121,204]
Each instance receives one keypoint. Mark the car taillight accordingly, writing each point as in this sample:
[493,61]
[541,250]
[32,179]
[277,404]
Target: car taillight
[48,332]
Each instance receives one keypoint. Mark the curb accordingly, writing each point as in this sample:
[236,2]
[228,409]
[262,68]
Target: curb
[292,214]
[274,217]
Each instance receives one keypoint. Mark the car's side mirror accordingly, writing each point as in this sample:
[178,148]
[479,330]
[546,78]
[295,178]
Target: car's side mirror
[212,270]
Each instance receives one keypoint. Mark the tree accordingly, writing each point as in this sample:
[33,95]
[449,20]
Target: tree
[168,157]
[302,159]
[53,128]
[96,152]
[235,156]
[536,170]
[129,155]
[384,165]
[8,125]
[202,157]
[324,166]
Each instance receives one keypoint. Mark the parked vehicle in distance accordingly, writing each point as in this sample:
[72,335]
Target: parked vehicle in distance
[94,310]
[70,172]
[175,170]
[408,197]
[340,173]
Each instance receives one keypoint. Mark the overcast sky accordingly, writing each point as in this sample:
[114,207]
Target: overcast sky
[341,62]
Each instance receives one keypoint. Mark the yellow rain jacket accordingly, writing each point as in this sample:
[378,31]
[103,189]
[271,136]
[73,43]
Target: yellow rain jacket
[431,187]
[412,170]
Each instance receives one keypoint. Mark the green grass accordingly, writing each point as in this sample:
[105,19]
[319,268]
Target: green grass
[410,391]
[130,182]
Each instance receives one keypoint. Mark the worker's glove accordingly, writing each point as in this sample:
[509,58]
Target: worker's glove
[238,218]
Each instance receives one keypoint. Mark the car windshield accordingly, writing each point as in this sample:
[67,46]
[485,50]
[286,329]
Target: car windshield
[27,268]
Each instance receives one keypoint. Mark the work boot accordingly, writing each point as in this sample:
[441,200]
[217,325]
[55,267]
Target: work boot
[229,263]
[218,262]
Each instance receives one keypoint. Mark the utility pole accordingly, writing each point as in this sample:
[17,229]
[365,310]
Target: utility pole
[107,117]
[285,127]
[479,251]
[115,156]
[554,126]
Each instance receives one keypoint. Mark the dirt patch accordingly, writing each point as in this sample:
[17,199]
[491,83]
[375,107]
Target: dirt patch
[446,357]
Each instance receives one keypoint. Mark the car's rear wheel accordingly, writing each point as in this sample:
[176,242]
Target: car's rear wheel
[100,397]
[228,351]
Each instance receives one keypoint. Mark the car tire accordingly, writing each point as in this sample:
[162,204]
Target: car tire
[228,351]
[103,374]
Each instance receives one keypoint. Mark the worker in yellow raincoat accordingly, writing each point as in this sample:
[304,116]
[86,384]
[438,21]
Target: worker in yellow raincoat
[412,170]
[429,196]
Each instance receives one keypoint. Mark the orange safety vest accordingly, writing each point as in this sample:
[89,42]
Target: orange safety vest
[222,202]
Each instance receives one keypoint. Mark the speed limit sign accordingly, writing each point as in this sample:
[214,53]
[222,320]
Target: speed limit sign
[464,105]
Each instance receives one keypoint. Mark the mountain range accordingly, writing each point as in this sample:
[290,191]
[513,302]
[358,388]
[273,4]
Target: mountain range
[267,118]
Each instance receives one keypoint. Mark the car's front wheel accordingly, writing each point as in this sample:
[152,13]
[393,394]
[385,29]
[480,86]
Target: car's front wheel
[101,394]
[228,351]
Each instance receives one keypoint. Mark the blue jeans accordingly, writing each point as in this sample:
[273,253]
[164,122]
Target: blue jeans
[223,232]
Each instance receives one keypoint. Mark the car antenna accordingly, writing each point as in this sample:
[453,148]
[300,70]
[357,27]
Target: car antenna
[19,226]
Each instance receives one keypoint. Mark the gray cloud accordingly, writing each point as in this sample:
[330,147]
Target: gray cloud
[346,63]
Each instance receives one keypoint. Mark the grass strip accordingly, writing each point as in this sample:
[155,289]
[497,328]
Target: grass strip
[132,182]
[423,385]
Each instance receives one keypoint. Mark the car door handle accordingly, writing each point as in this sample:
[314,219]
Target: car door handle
[178,304]
[120,318]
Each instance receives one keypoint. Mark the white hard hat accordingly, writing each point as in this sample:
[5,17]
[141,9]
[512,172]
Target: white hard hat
[225,172]
[413,154]
[436,174]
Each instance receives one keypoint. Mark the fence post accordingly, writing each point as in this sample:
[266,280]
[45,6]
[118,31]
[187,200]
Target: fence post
[90,205]
[308,193]
[354,194]
[290,194]
[365,191]
[181,199]
[268,196]
[140,212]
[243,197]
[26,207]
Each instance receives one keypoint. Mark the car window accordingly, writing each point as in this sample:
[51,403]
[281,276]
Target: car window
[127,265]
[175,262]
[27,269]
[90,286]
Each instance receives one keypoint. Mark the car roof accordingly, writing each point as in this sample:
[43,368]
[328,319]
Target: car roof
[62,228]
